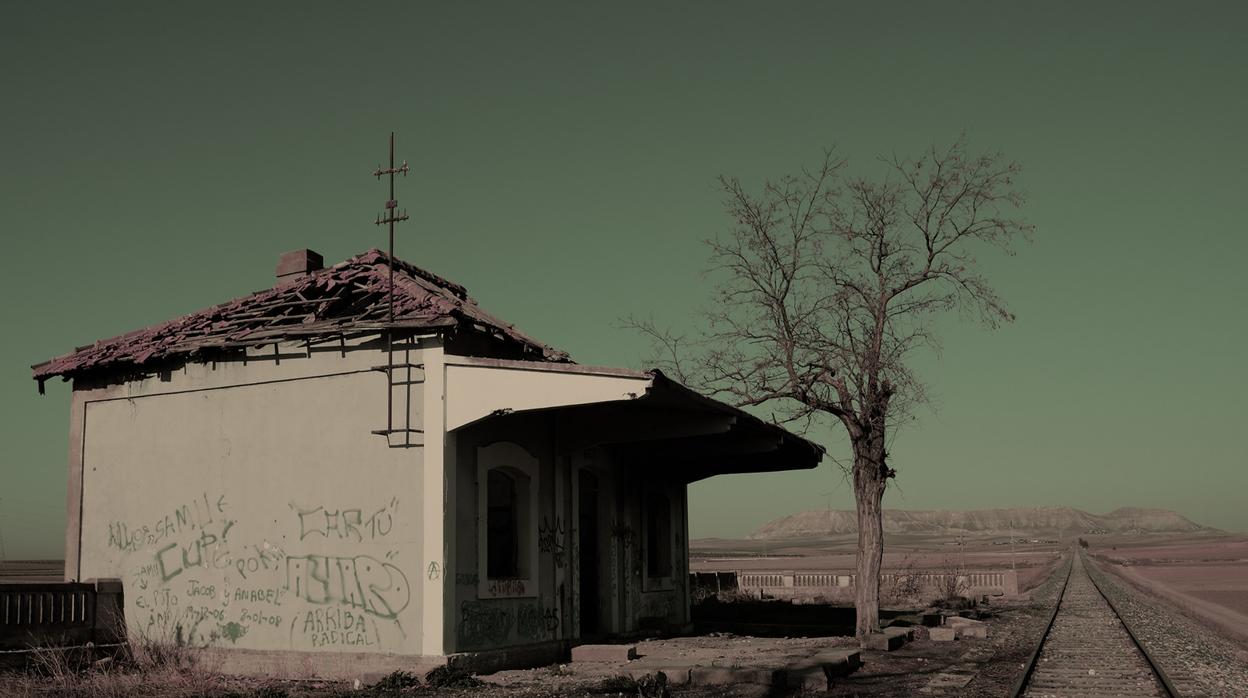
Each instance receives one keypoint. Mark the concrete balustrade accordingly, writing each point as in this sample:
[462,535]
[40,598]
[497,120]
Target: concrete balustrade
[811,583]
[60,614]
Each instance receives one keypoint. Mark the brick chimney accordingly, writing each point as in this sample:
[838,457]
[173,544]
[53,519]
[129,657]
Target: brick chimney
[297,263]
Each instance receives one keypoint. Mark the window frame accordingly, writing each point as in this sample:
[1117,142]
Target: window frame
[663,582]
[517,463]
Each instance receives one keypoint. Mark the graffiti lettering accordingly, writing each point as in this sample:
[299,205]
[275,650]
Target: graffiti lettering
[142,573]
[194,515]
[484,624]
[198,589]
[196,614]
[550,537]
[378,588]
[173,559]
[346,524]
[508,587]
[326,627]
[260,618]
[266,558]
[467,579]
[122,538]
[270,596]
[160,598]
[534,622]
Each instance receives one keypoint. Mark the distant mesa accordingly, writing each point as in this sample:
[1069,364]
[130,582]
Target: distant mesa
[1065,519]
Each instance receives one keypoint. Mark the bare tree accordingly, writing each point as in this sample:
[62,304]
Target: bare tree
[825,286]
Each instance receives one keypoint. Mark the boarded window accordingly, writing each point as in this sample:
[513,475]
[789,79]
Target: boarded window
[502,526]
[658,536]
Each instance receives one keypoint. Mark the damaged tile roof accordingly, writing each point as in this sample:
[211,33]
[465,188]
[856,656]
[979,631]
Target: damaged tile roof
[350,296]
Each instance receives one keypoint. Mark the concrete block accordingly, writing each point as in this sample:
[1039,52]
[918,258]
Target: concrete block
[808,681]
[943,634]
[883,641]
[959,621]
[906,633]
[816,672]
[521,657]
[979,631]
[839,662]
[676,670]
[731,676]
[604,653]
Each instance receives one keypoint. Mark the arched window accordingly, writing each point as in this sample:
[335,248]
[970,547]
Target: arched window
[507,482]
[502,526]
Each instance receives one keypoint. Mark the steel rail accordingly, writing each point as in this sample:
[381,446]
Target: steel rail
[1021,685]
[1035,654]
[1152,662]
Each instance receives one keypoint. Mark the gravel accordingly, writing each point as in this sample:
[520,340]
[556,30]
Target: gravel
[1015,634]
[1198,660]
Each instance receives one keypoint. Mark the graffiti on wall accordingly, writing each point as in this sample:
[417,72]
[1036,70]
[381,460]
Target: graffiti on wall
[550,537]
[490,623]
[208,549]
[502,588]
[200,579]
[362,582]
[535,622]
[192,515]
[346,524]
[483,624]
[334,627]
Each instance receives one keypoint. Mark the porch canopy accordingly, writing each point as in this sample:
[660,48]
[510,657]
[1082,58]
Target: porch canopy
[644,417]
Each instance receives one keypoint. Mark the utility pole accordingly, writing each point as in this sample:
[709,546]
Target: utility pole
[1012,554]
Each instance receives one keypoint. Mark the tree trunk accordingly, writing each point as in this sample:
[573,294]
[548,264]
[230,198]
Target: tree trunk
[870,478]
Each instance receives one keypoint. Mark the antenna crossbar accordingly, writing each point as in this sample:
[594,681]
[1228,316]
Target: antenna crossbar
[391,170]
[391,219]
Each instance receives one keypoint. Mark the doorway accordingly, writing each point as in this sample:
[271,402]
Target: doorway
[587,538]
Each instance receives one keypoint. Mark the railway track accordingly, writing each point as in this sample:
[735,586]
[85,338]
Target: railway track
[1089,650]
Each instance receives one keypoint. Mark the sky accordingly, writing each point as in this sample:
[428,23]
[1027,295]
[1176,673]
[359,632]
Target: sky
[156,158]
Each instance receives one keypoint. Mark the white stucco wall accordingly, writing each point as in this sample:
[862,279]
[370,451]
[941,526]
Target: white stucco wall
[249,506]
[478,387]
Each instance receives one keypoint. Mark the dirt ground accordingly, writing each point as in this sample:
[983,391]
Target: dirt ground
[1171,549]
[967,667]
[1206,577]
[1210,570]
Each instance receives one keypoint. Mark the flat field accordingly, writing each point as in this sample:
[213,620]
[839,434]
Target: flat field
[32,570]
[1207,576]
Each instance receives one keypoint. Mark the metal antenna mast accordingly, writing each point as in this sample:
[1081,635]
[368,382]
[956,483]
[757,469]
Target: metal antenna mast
[393,215]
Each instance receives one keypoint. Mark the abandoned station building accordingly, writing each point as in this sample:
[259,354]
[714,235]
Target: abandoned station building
[292,476]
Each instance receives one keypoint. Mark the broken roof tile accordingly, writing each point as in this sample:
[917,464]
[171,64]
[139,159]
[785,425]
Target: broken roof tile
[348,295]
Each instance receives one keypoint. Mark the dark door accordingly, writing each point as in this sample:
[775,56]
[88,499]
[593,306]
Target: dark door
[587,539]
